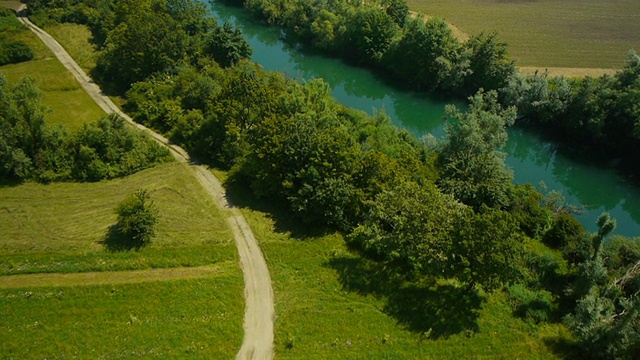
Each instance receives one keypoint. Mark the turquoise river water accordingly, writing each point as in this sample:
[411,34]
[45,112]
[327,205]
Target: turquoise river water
[532,159]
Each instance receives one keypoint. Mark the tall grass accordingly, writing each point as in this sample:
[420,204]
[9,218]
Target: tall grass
[76,40]
[583,34]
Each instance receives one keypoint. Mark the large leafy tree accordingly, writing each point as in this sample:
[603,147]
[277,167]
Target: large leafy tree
[370,34]
[145,42]
[426,54]
[473,168]
[410,226]
[227,45]
[489,66]
[487,249]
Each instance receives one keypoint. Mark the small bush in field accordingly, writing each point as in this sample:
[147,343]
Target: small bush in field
[137,217]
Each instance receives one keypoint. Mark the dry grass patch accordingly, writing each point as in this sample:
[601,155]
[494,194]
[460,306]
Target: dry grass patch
[108,277]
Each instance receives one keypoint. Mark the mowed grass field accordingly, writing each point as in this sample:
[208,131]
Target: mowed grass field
[67,102]
[550,33]
[333,304]
[127,304]
[60,227]
[64,295]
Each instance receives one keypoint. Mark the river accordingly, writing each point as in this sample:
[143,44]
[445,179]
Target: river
[532,159]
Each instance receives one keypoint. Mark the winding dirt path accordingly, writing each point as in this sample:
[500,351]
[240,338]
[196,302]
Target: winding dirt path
[259,310]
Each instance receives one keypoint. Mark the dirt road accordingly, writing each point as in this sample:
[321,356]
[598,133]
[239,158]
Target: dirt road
[259,311]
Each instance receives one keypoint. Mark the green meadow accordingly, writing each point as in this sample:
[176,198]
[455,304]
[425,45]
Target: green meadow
[181,296]
[68,104]
[331,303]
[554,33]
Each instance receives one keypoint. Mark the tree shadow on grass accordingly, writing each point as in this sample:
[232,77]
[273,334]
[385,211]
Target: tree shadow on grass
[240,195]
[115,241]
[439,310]
[564,348]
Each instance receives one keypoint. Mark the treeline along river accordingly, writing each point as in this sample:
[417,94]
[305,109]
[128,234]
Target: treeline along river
[532,159]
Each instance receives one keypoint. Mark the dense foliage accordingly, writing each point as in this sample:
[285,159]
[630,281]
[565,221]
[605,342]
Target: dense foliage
[32,149]
[137,216]
[597,116]
[140,38]
[417,211]
[12,51]
[382,34]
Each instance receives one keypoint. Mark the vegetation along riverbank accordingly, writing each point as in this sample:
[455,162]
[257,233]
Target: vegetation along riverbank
[435,244]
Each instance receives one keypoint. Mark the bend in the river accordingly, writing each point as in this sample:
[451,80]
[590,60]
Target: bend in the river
[532,159]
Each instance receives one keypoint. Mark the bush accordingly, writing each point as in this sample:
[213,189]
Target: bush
[137,217]
[565,231]
[532,305]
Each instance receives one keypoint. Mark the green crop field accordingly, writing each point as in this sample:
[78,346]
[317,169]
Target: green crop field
[550,33]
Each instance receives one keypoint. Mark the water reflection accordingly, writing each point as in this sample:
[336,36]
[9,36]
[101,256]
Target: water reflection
[532,159]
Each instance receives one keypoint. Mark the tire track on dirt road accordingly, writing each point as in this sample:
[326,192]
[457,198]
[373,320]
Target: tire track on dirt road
[259,309]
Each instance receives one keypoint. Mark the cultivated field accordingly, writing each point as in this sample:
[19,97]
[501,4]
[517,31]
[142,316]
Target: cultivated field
[550,33]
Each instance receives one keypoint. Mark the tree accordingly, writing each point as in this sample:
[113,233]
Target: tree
[486,249]
[227,45]
[410,226]
[370,35]
[473,168]
[146,41]
[426,54]
[137,217]
[398,10]
[606,319]
[489,66]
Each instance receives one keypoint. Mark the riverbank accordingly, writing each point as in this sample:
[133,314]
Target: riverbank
[528,70]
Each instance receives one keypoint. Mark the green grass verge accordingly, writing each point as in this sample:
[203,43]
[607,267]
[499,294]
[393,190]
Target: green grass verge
[570,33]
[76,39]
[68,103]
[333,304]
[195,319]
[59,227]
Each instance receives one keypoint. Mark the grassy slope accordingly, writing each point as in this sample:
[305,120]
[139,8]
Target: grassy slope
[58,227]
[567,33]
[62,94]
[332,304]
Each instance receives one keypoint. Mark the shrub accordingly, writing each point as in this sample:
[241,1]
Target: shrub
[565,231]
[533,305]
[137,217]
[14,52]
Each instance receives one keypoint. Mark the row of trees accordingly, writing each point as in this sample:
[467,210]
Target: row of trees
[32,149]
[421,53]
[596,116]
[139,38]
[418,211]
